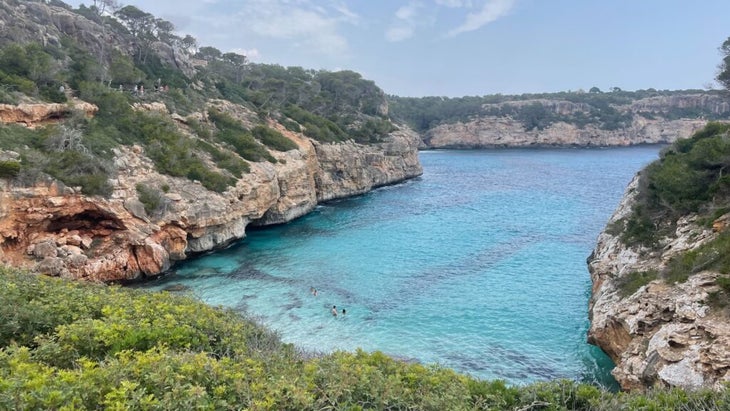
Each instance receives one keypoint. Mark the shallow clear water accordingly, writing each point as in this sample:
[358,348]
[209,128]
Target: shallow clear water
[478,265]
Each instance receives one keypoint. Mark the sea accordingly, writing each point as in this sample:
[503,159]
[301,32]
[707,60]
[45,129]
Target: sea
[479,265]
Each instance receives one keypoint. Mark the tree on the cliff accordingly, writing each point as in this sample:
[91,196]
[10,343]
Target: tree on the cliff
[208,53]
[141,26]
[188,43]
[724,76]
[237,63]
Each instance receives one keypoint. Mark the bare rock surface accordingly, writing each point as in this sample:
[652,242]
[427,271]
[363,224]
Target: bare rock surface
[487,132]
[57,231]
[651,123]
[662,334]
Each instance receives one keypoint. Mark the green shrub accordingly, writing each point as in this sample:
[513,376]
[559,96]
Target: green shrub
[316,127]
[232,132]
[150,197]
[629,283]
[68,345]
[225,160]
[714,255]
[9,169]
[51,91]
[273,139]
[373,131]
[75,168]
[688,178]
[17,83]
[638,228]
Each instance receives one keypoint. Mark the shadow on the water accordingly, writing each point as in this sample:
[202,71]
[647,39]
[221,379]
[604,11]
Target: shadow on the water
[473,264]
[247,272]
[518,366]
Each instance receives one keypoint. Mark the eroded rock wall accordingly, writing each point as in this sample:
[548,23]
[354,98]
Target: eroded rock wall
[58,231]
[490,131]
[661,334]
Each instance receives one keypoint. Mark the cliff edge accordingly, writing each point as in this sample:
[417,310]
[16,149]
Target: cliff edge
[659,304]
[57,230]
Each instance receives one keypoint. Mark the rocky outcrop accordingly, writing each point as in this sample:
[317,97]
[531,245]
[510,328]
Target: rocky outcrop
[661,334]
[492,131]
[712,103]
[660,119]
[350,169]
[58,231]
[48,23]
[32,115]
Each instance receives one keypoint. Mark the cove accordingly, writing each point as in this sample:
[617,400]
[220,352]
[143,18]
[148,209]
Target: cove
[478,265]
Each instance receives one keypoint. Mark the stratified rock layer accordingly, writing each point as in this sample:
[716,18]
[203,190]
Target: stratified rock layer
[650,123]
[487,132]
[662,334]
[58,231]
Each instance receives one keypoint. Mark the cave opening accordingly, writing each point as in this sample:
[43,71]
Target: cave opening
[86,220]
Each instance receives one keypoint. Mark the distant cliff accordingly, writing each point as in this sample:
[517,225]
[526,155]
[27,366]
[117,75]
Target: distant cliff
[490,132]
[560,119]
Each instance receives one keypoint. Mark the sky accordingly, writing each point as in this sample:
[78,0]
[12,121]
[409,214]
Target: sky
[470,47]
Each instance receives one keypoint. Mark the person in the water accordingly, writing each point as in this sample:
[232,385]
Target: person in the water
[344,311]
[334,311]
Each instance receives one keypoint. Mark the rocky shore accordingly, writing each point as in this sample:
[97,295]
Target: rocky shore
[662,334]
[58,231]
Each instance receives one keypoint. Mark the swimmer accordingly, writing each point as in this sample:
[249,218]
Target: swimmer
[334,311]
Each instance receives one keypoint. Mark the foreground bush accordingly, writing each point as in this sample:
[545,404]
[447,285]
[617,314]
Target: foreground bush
[689,177]
[66,345]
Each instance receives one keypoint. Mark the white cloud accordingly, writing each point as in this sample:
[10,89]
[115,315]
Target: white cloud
[491,11]
[454,3]
[251,54]
[399,33]
[404,22]
[301,21]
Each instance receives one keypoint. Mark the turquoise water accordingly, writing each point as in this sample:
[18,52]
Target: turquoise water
[479,265]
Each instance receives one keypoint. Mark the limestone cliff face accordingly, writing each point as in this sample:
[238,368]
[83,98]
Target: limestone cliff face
[653,120]
[490,131]
[350,169]
[57,231]
[662,334]
[27,21]
[32,115]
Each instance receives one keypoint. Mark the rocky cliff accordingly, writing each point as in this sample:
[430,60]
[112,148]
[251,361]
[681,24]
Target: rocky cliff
[58,231]
[492,131]
[650,120]
[663,333]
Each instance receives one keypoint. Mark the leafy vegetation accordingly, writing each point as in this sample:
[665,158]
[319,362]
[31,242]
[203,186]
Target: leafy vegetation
[67,345]
[273,139]
[232,132]
[328,106]
[631,282]
[9,169]
[714,255]
[152,198]
[689,177]
[316,127]
[29,69]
